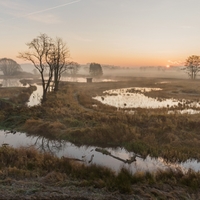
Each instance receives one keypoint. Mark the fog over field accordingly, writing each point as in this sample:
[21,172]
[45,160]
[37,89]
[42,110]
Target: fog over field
[160,72]
[148,72]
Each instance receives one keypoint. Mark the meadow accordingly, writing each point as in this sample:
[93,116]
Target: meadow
[73,115]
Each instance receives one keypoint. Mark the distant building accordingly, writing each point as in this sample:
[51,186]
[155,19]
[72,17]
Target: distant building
[89,80]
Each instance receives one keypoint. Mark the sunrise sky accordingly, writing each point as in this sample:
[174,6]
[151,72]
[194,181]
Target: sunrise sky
[116,32]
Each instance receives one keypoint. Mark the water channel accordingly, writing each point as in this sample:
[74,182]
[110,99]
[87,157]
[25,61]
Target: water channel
[117,158]
[114,159]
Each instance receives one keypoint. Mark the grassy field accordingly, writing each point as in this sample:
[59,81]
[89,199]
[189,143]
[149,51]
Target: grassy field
[69,114]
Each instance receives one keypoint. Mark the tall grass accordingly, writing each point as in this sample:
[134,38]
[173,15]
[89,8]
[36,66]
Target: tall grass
[69,115]
[28,163]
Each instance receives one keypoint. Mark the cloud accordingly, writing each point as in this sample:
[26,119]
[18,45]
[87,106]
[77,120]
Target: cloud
[52,8]
[32,15]
[44,18]
[175,62]
[11,5]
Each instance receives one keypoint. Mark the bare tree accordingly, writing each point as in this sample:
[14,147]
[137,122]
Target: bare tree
[40,54]
[9,67]
[61,61]
[50,57]
[192,66]
[60,55]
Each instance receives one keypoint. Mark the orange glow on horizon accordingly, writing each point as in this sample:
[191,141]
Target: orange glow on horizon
[116,60]
[124,61]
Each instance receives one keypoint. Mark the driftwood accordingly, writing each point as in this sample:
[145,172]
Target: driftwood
[105,152]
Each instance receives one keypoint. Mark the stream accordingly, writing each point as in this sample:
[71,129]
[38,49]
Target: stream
[113,158]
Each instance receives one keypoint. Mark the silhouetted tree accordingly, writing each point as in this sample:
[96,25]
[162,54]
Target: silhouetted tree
[192,66]
[50,58]
[40,54]
[60,59]
[9,67]
[95,70]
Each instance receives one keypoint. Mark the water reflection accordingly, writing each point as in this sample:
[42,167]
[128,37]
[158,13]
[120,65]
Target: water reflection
[46,145]
[36,96]
[134,98]
[73,79]
[114,158]
[84,80]
[10,83]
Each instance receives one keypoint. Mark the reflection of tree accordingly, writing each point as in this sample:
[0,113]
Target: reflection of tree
[48,145]
[11,82]
[128,161]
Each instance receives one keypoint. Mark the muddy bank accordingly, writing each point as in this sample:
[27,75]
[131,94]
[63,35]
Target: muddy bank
[38,188]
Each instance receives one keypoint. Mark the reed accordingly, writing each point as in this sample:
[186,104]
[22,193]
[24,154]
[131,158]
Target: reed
[69,114]
[27,163]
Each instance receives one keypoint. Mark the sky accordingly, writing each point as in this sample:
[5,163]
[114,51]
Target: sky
[123,33]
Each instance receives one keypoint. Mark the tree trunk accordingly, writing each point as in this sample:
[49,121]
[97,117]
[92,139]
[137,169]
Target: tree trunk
[56,84]
[56,81]
[44,97]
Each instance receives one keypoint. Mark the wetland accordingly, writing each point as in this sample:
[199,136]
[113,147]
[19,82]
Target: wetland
[79,118]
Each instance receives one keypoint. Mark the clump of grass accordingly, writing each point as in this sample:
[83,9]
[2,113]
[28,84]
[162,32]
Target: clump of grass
[40,127]
[23,97]
[123,181]
[191,179]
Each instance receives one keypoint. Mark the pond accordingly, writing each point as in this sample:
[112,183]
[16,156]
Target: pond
[112,158]
[135,98]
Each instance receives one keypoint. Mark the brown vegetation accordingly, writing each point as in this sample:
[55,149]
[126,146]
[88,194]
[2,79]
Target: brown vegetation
[43,168]
[69,114]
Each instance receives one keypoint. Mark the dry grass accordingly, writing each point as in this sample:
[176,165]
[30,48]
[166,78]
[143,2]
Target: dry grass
[28,163]
[69,114]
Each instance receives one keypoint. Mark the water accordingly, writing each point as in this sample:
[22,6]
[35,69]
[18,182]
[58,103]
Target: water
[118,157]
[84,80]
[36,96]
[89,155]
[134,98]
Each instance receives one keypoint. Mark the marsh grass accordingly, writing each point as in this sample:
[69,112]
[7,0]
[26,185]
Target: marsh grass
[28,163]
[69,114]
